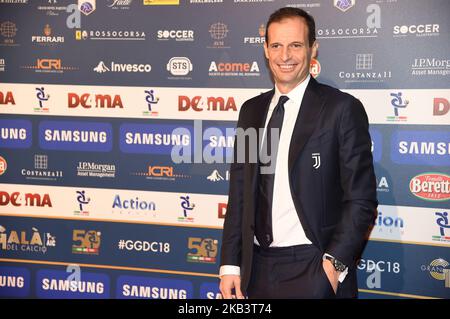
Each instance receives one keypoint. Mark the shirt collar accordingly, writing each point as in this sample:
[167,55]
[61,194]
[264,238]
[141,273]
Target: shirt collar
[296,94]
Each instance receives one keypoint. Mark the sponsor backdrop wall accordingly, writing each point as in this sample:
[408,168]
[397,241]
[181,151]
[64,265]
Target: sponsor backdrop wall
[116,131]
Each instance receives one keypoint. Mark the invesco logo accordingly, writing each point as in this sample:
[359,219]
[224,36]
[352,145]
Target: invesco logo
[178,35]
[417,29]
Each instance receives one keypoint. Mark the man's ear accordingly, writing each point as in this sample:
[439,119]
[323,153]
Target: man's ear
[314,49]
[266,50]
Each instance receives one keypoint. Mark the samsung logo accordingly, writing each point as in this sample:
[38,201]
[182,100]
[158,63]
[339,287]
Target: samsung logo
[153,288]
[75,136]
[432,148]
[12,281]
[157,139]
[153,292]
[73,286]
[15,133]
[154,139]
[68,284]
[421,147]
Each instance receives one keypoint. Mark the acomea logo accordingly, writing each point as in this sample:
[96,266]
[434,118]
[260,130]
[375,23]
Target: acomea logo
[431,186]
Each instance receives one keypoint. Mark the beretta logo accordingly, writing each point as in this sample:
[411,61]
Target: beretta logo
[431,186]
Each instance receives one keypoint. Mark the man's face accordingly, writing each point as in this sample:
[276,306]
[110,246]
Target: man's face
[288,52]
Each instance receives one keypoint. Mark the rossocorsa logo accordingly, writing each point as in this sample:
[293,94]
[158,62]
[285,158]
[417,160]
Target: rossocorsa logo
[431,186]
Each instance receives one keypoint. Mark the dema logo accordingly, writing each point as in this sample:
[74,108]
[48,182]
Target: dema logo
[431,186]
[15,134]
[89,101]
[28,199]
[75,136]
[421,147]
[7,98]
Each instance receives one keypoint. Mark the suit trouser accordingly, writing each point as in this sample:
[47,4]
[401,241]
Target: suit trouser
[288,272]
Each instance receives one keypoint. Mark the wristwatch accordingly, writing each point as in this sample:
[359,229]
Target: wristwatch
[339,266]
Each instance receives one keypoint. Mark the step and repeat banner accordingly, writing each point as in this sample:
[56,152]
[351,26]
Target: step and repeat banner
[117,122]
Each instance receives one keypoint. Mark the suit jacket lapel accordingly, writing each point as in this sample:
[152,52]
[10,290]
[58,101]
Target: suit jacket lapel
[307,119]
[257,121]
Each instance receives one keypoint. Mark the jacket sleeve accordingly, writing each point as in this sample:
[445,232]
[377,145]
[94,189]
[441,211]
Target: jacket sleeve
[357,179]
[232,229]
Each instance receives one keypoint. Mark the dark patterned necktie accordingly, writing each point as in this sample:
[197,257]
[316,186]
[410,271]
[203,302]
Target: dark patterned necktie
[263,216]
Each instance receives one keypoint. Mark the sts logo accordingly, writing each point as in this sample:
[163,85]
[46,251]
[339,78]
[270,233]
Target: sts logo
[203,250]
[86,242]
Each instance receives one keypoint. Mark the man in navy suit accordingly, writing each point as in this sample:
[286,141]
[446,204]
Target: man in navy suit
[298,230]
